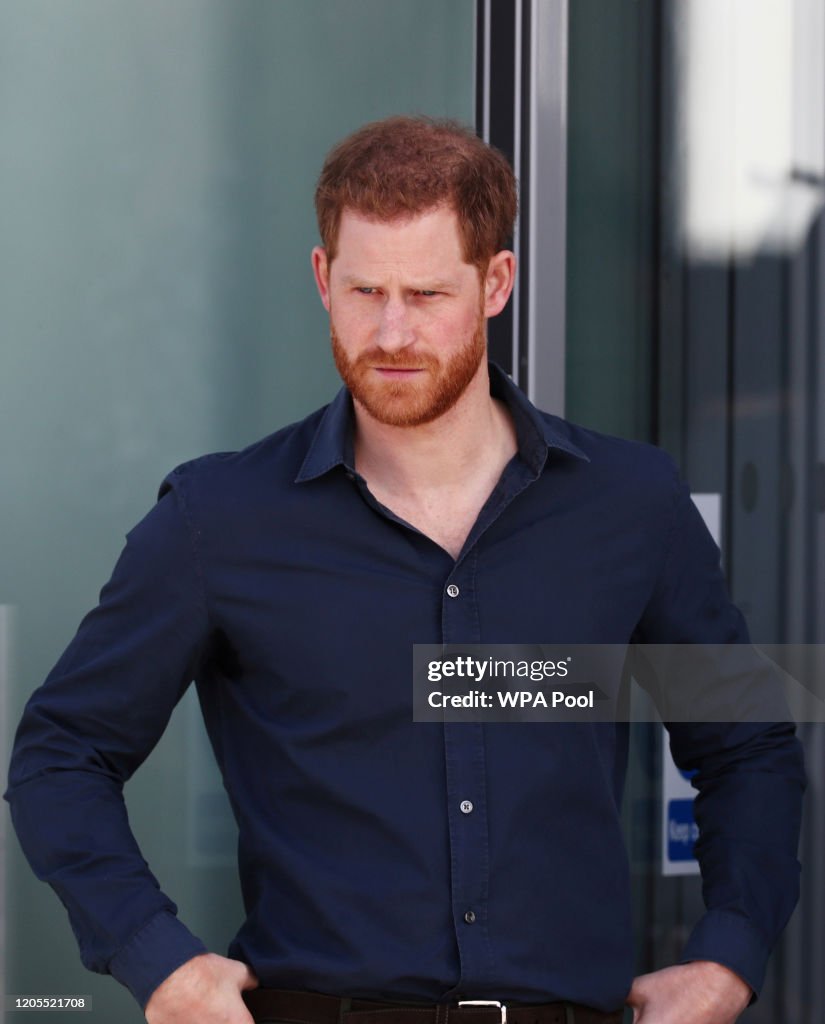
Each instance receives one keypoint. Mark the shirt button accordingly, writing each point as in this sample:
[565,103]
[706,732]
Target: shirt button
[453,590]
[466,806]
[469,917]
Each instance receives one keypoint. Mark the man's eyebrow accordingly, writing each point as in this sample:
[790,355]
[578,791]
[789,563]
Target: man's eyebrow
[439,284]
[426,284]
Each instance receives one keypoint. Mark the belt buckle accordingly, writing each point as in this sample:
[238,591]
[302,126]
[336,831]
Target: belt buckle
[486,1002]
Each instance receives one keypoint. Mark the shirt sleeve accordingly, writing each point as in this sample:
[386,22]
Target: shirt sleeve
[84,732]
[749,775]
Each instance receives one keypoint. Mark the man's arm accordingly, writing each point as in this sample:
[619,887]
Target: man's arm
[86,730]
[749,776]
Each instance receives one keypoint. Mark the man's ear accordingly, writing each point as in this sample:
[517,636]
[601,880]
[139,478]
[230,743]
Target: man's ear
[499,281]
[320,268]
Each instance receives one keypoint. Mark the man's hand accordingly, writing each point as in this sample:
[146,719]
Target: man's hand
[701,992]
[205,990]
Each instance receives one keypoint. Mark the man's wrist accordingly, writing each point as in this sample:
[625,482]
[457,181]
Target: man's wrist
[729,978]
[730,940]
[153,953]
[701,990]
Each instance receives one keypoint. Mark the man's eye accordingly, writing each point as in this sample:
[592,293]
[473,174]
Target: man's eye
[365,291]
[426,292]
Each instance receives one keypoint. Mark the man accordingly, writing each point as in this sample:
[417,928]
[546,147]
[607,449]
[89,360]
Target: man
[384,860]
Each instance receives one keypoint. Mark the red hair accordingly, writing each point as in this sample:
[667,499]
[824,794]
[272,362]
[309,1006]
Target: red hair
[403,166]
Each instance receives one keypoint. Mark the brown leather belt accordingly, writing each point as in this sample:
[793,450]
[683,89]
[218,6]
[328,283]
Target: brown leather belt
[270,1004]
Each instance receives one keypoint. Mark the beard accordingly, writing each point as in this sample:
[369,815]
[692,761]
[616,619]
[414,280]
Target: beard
[409,403]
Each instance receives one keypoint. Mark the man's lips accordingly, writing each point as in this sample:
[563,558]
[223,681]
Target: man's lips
[398,371]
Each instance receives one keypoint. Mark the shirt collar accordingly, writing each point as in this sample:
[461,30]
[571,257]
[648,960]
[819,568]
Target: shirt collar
[536,432]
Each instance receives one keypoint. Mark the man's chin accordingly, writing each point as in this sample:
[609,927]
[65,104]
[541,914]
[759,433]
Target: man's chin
[414,399]
[394,402]
[399,412]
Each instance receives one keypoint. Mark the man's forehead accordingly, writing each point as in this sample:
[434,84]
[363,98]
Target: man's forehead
[431,237]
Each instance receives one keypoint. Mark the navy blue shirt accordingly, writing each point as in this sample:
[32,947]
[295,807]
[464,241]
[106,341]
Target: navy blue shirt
[378,856]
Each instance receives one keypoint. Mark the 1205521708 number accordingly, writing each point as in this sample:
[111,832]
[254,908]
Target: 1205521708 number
[48,1002]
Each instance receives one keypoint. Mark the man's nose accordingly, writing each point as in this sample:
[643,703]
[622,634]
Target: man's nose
[395,330]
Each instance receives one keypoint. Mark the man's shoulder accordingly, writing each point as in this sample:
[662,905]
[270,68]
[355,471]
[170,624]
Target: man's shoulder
[271,462]
[609,457]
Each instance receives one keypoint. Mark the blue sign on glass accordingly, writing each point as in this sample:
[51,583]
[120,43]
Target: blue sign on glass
[682,830]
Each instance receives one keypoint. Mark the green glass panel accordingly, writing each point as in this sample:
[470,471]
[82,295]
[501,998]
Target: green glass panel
[156,173]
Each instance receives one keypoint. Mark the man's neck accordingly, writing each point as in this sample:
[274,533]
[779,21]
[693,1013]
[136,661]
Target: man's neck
[475,437]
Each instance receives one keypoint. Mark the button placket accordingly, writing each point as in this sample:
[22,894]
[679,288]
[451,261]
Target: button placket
[465,778]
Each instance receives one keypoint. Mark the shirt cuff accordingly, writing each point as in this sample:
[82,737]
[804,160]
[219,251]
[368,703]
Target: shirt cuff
[153,953]
[731,940]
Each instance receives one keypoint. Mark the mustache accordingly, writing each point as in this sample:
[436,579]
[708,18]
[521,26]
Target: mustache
[404,360]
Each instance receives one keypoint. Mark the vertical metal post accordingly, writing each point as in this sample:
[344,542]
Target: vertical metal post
[521,107]
[520,372]
[547,203]
[483,21]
